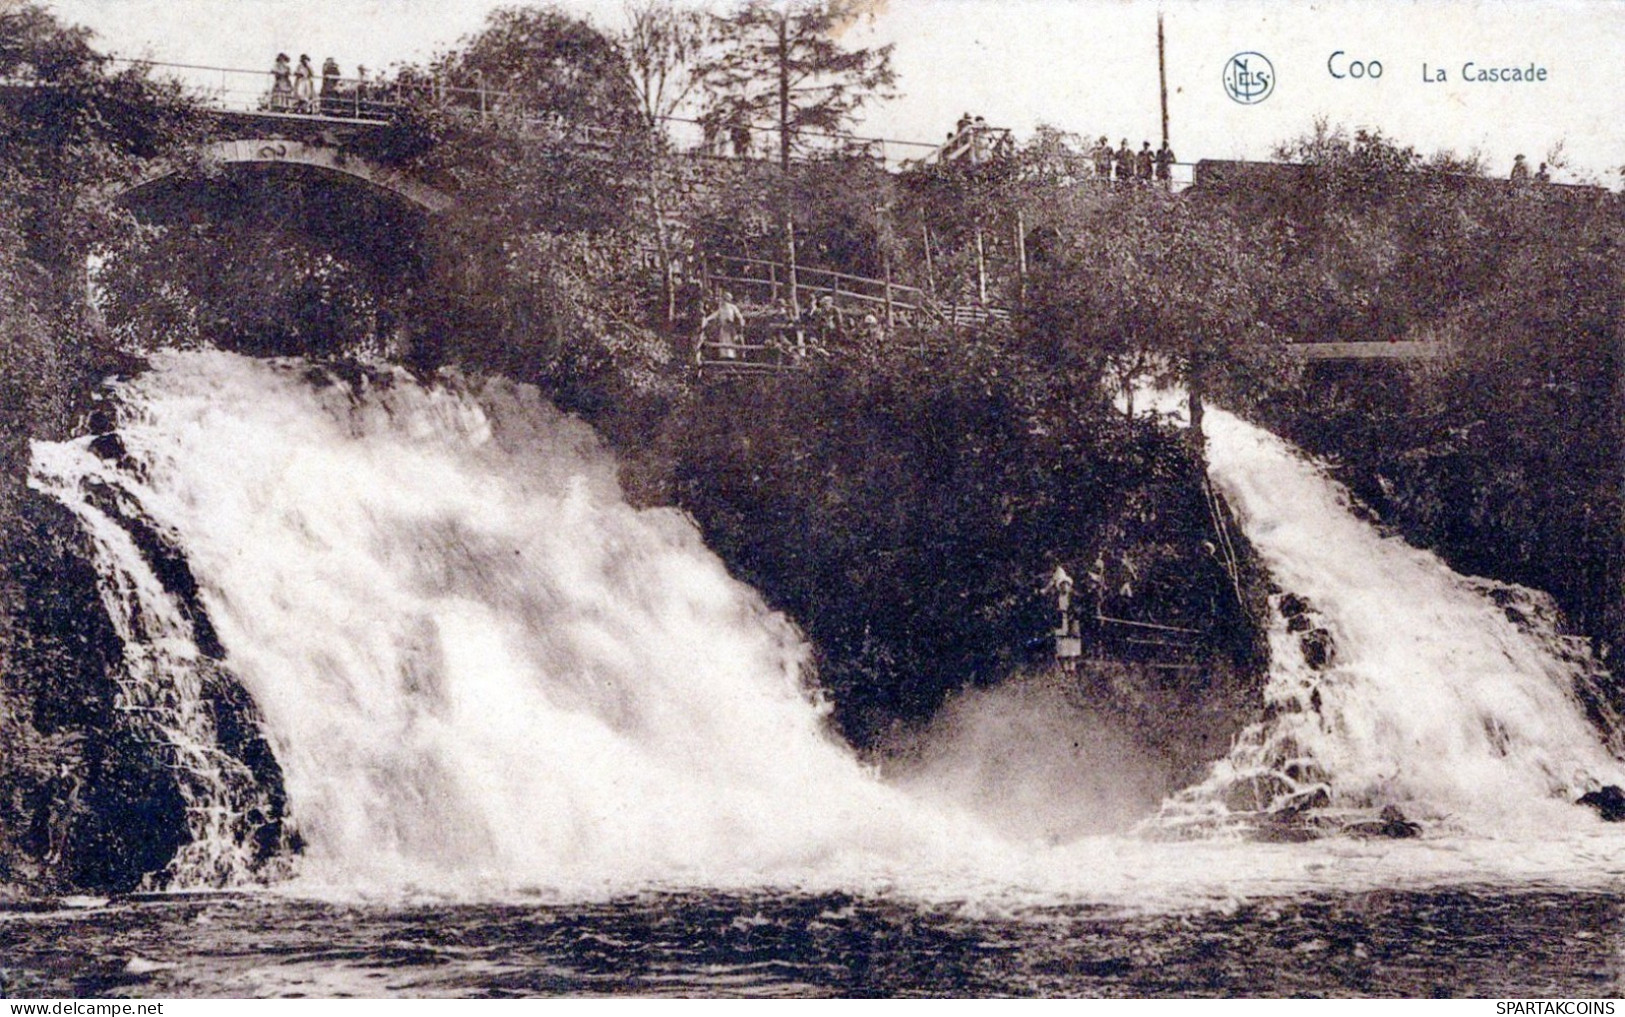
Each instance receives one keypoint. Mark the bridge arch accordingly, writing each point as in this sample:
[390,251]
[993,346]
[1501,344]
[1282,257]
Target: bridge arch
[292,152]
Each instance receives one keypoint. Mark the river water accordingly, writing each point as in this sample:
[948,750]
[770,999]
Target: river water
[1462,941]
[534,740]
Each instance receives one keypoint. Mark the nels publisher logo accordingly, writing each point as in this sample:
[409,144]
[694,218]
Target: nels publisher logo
[1249,78]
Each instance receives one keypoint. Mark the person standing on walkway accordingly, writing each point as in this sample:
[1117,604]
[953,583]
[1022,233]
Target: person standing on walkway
[739,133]
[829,321]
[1145,163]
[729,326]
[1520,170]
[304,85]
[1125,163]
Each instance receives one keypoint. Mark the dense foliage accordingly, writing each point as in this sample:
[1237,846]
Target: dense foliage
[908,514]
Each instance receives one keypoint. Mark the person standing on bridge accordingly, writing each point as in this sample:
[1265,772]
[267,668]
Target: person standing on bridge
[1520,170]
[1125,163]
[304,85]
[978,140]
[829,322]
[711,133]
[1103,159]
[1145,164]
[330,86]
[1165,165]
[281,84]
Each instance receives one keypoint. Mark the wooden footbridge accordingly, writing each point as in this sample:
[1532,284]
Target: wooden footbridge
[781,335]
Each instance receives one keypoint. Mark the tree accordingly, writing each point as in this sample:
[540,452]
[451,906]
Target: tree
[62,144]
[560,125]
[663,45]
[1056,156]
[1165,289]
[781,63]
[546,62]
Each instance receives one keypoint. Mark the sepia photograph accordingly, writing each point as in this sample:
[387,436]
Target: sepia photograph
[812,499]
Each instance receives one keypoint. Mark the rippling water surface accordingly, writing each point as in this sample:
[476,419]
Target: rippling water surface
[1474,941]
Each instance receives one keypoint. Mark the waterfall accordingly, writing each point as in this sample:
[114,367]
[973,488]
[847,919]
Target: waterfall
[1394,680]
[475,668]
[472,659]
[171,690]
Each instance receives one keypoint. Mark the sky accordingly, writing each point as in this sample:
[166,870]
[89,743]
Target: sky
[1081,65]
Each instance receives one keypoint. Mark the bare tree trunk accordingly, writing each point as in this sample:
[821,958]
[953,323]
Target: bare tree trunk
[784,152]
[663,245]
[784,92]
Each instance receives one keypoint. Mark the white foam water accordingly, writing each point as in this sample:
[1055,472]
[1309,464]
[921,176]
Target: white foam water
[475,662]
[480,670]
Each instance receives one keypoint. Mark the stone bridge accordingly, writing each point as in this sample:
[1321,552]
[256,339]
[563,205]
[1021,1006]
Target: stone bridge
[314,155]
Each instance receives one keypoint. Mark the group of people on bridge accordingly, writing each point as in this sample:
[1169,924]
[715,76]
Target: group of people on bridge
[783,329]
[1520,171]
[973,140]
[294,89]
[730,131]
[1126,166]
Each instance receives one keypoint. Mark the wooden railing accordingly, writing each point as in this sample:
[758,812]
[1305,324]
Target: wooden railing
[891,302]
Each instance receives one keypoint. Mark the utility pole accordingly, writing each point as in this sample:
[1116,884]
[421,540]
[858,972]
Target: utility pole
[1162,78]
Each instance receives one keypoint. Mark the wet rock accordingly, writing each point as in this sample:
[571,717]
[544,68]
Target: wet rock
[1394,824]
[108,446]
[1390,822]
[1291,606]
[1609,802]
[1318,650]
[1255,793]
[1283,831]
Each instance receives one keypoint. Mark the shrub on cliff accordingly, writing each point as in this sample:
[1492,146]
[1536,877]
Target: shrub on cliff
[907,514]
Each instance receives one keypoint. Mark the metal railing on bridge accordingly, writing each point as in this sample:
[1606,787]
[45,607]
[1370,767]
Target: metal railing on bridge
[365,100]
[373,100]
